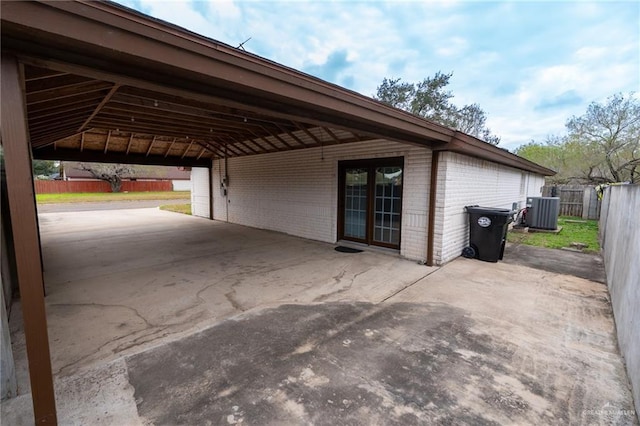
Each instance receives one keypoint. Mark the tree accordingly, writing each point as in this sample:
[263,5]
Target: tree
[430,99]
[44,167]
[549,153]
[111,173]
[611,131]
[601,146]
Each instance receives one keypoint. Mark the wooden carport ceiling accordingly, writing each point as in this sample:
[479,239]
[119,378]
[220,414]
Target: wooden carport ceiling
[76,117]
[97,68]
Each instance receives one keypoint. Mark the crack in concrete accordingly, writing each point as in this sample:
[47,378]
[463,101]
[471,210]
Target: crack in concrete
[153,329]
[406,287]
[105,306]
[62,369]
[238,280]
[346,288]
[168,263]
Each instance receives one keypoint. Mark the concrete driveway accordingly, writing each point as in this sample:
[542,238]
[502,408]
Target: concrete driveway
[161,318]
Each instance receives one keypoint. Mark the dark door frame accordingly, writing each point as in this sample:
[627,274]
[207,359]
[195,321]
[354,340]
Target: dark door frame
[370,164]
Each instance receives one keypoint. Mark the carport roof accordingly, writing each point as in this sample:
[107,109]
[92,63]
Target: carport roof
[105,83]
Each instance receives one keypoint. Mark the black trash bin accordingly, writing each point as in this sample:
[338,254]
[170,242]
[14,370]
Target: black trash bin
[487,232]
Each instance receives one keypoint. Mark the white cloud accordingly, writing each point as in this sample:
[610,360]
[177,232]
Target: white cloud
[225,9]
[454,46]
[529,65]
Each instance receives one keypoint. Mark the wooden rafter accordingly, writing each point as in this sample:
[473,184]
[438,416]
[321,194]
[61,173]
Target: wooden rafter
[68,81]
[293,136]
[34,73]
[201,152]
[172,104]
[41,140]
[281,140]
[267,141]
[330,133]
[97,109]
[82,142]
[179,113]
[93,98]
[153,140]
[243,145]
[62,110]
[60,120]
[212,147]
[308,133]
[236,151]
[129,143]
[187,149]
[106,144]
[170,146]
[148,127]
[68,92]
[257,143]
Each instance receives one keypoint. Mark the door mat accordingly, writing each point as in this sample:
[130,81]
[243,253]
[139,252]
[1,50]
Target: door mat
[343,249]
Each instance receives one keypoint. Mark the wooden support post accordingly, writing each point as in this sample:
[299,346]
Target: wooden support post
[22,207]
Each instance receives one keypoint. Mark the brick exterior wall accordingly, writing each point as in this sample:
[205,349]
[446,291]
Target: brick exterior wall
[296,192]
[464,181]
[200,192]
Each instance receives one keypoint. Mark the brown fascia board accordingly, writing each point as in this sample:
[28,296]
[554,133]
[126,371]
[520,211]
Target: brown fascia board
[473,147]
[113,31]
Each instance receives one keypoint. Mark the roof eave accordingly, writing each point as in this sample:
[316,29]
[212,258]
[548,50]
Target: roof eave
[474,147]
[117,33]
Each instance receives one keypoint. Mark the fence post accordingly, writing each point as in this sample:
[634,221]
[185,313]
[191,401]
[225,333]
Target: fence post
[590,204]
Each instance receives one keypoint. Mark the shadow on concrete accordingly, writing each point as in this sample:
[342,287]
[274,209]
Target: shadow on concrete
[582,265]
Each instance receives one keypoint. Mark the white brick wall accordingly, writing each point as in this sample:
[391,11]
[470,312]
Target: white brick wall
[200,192]
[181,185]
[296,192]
[464,181]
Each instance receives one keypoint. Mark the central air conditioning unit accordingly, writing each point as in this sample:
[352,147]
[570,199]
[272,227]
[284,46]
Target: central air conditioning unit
[542,212]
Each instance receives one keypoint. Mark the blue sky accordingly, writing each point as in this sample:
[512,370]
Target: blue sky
[529,65]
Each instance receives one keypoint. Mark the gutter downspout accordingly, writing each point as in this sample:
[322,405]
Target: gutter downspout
[211,190]
[435,159]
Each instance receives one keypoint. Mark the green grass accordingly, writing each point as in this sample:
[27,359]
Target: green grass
[586,233]
[178,208]
[89,197]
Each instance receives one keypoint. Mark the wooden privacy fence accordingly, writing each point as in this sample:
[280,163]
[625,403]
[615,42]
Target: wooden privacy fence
[62,186]
[575,200]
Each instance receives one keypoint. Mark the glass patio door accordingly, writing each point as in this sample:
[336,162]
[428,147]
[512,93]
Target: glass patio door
[370,203]
[356,203]
[388,202]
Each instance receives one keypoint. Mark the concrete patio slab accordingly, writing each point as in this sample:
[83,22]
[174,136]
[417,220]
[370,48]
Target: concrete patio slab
[157,318]
[119,280]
